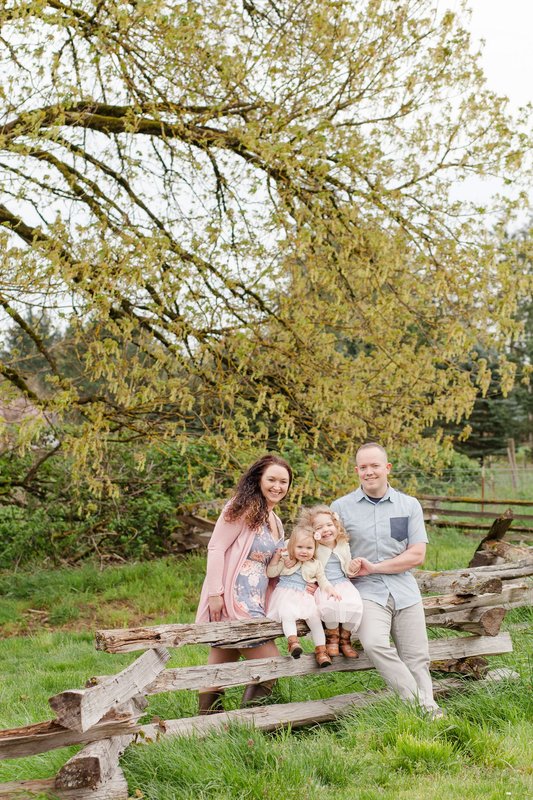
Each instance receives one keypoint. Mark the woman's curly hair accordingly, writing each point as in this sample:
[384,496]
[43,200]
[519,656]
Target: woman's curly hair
[307,516]
[248,500]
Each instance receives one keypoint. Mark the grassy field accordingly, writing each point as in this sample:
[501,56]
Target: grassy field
[482,749]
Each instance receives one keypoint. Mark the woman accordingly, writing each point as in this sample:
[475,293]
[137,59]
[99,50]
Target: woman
[236,586]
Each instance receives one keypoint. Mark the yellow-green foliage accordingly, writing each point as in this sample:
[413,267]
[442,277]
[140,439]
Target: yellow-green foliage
[248,206]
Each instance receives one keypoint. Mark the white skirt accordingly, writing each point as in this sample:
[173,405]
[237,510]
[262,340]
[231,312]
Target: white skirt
[349,610]
[292,604]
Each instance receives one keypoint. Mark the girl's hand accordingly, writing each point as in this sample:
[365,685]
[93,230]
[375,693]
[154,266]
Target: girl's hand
[216,606]
[276,557]
[311,588]
[354,566]
[289,562]
[334,594]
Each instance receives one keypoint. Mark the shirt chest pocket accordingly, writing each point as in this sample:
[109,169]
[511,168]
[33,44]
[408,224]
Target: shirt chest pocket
[399,528]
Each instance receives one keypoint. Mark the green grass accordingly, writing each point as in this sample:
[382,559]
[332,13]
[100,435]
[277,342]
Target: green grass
[481,749]
[384,752]
[151,592]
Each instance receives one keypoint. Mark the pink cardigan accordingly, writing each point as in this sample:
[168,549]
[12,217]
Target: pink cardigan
[227,550]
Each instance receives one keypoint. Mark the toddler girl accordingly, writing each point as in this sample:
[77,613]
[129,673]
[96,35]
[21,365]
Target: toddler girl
[290,600]
[333,552]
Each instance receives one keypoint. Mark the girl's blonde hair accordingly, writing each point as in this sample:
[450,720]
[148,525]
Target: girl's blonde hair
[300,532]
[306,518]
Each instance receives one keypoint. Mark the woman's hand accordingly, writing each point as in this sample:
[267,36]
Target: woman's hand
[216,606]
[289,562]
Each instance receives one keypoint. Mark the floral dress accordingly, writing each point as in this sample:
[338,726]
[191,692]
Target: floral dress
[252,580]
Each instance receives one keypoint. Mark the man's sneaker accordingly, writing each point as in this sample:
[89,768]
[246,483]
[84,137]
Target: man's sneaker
[435,713]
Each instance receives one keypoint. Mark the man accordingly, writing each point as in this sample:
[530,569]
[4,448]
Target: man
[387,531]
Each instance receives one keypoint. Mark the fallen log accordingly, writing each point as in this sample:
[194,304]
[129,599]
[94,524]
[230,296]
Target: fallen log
[93,766]
[115,788]
[80,709]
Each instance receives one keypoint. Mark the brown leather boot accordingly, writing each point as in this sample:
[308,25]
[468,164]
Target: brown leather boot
[346,644]
[321,655]
[255,694]
[295,648]
[210,702]
[332,641]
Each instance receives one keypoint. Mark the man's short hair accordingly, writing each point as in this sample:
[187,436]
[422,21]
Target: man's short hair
[368,445]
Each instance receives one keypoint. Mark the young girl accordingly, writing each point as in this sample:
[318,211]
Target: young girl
[333,552]
[290,600]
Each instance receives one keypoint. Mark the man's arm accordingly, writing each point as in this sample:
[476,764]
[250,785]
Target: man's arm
[413,556]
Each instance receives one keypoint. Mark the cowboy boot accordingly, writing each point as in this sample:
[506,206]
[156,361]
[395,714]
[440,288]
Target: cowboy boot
[321,655]
[295,648]
[210,702]
[255,694]
[332,641]
[346,644]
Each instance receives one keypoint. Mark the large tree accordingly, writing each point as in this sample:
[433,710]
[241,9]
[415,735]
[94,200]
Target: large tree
[246,211]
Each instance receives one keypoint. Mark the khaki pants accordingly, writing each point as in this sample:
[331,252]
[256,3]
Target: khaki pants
[405,668]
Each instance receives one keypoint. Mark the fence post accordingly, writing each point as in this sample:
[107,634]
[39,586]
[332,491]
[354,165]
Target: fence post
[511,454]
[482,484]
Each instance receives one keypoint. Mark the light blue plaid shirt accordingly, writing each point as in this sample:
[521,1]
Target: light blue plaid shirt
[382,530]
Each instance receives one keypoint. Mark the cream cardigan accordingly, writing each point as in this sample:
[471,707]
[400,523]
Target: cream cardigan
[342,550]
[311,571]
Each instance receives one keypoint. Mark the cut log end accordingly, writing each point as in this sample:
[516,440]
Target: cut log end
[84,772]
[479,586]
[93,766]
[480,621]
[492,620]
[482,559]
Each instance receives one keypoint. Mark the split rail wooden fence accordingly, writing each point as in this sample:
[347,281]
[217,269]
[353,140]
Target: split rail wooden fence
[105,715]
[514,521]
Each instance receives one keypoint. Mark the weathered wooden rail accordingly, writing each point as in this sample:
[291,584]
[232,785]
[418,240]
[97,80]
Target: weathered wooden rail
[105,715]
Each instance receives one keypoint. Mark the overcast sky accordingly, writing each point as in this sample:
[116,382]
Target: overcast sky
[507,60]
[506,26]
